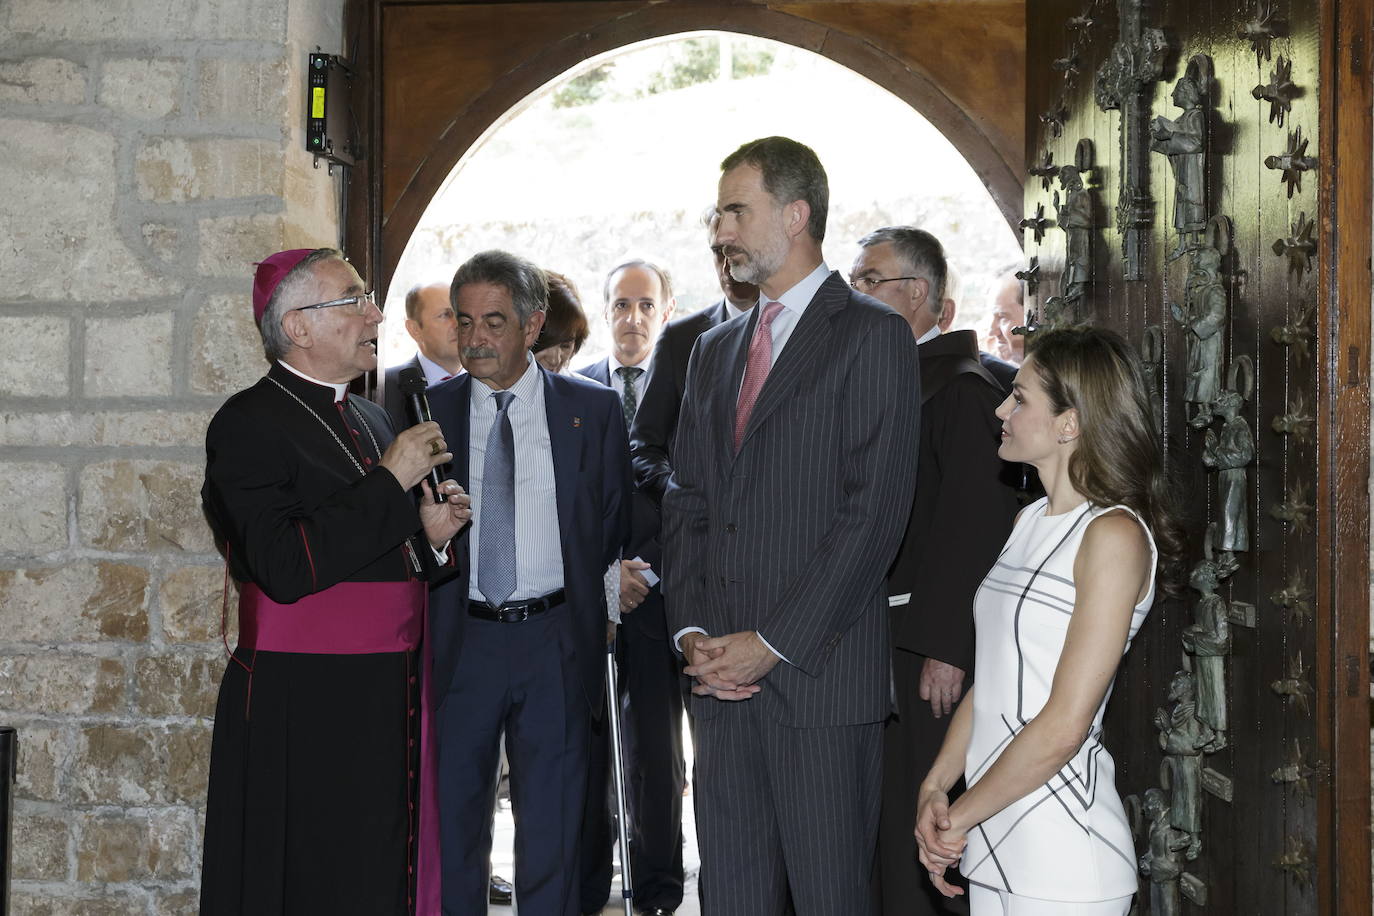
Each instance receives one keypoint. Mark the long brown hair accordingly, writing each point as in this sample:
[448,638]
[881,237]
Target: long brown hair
[1119,460]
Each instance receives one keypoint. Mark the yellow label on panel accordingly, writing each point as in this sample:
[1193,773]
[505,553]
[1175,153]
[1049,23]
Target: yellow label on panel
[317,102]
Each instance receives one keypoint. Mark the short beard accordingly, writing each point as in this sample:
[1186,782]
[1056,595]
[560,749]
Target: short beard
[762,263]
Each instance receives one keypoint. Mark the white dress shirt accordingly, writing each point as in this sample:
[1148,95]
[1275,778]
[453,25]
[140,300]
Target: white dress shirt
[618,383]
[538,549]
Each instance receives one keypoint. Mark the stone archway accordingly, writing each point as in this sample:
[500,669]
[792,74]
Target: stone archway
[440,75]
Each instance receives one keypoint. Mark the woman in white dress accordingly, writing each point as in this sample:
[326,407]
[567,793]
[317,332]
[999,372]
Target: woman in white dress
[1040,831]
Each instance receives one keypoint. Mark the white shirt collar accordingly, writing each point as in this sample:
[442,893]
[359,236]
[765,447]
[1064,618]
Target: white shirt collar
[731,311]
[340,388]
[799,297]
[434,373]
[524,388]
[933,333]
[615,363]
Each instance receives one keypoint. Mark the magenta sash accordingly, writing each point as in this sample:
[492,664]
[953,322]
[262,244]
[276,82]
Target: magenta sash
[355,618]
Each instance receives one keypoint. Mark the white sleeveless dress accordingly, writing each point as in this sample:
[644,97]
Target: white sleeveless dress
[1067,840]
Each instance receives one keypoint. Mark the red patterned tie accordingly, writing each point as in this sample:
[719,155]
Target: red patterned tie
[756,369]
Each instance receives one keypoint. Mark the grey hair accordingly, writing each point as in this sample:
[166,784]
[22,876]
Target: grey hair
[791,171]
[275,341]
[665,282]
[1010,273]
[921,254]
[526,283]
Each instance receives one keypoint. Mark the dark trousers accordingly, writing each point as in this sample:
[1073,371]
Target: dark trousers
[518,678]
[911,742]
[650,679]
[784,811]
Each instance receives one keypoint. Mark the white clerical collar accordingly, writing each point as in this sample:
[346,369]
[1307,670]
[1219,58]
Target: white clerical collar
[340,388]
[799,297]
[933,333]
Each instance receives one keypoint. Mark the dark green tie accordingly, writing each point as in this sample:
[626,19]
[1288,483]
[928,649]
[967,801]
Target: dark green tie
[629,401]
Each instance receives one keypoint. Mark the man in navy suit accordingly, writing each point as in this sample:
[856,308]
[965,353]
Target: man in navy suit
[639,299]
[793,472]
[518,635]
[431,324]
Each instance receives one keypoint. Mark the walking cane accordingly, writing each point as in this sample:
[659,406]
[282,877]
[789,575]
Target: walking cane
[613,711]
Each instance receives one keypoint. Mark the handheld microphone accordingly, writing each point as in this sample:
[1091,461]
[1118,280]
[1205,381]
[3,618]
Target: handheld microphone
[412,384]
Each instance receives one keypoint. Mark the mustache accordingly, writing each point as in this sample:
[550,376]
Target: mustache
[728,250]
[480,353]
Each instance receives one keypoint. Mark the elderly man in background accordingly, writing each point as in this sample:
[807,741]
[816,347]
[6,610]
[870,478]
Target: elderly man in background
[316,767]
[1008,312]
[959,519]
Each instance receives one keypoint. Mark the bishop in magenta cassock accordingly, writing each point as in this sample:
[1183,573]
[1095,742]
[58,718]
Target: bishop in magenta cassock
[320,763]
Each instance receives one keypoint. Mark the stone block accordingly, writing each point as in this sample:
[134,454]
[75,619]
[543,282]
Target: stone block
[176,170]
[140,21]
[142,88]
[40,847]
[63,179]
[42,490]
[230,245]
[80,602]
[140,765]
[129,356]
[53,684]
[183,903]
[242,91]
[192,601]
[154,428]
[149,844]
[35,352]
[181,684]
[226,350]
[143,506]
[45,751]
[112,902]
[42,81]
[165,241]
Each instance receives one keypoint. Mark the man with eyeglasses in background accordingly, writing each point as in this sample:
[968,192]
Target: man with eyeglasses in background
[316,759]
[960,517]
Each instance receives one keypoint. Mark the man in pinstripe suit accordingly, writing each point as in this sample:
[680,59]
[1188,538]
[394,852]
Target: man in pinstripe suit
[793,478]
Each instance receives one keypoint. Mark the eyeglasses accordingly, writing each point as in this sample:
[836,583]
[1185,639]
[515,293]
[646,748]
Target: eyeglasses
[358,305]
[869,284]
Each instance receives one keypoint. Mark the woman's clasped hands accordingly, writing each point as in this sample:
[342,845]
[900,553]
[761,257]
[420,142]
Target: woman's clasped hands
[940,844]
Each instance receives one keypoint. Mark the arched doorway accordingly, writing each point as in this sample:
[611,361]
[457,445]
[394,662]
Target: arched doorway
[438,76]
[618,156]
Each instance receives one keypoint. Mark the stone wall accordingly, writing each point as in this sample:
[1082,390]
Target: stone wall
[149,152]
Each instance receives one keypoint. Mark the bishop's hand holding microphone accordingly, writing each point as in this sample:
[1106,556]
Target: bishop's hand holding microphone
[419,456]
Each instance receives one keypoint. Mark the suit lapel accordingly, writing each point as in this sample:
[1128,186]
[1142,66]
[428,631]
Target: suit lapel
[803,349]
[565,443]
[736,348]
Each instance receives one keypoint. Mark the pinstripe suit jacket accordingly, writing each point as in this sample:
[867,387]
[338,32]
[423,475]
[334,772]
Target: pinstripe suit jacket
[793,535]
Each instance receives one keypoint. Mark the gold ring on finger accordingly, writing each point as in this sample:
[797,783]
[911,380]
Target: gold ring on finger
[436,447]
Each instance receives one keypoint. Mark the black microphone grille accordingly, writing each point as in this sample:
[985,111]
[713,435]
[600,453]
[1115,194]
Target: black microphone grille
[412,381]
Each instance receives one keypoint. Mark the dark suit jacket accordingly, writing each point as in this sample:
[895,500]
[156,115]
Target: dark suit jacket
[1003,371]
[963,509]
[390,394]
[792,536]
[591,464]
[645,523]
[651,434]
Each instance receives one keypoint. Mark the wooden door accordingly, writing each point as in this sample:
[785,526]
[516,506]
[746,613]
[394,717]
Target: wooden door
[1273,749]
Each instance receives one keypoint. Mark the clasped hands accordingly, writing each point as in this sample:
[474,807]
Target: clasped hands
[939,844]
[726,667]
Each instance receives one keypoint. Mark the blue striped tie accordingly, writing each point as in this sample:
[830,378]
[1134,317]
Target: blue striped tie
[496,547]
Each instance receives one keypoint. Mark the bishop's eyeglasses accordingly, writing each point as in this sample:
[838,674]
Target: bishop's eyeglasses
[867,285]
[358,305]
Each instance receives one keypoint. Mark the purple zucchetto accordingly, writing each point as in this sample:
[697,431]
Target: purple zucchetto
[269,275]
